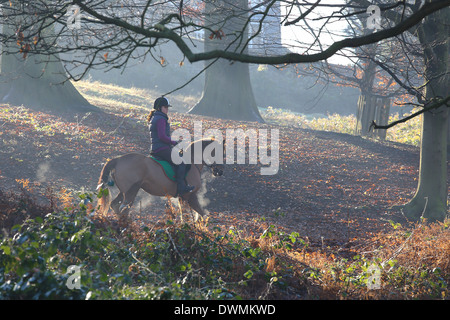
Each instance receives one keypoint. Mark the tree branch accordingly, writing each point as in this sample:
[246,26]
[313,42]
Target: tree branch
[162,31]
[425,109]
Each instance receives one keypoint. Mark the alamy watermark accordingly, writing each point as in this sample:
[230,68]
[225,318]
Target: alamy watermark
[256,141]
[74,17]
[374,20]
[74,280]
[374,279]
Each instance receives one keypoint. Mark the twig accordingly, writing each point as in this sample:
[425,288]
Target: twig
[120,124]
[402,246]
[174,246]
[192,79]
[144,266]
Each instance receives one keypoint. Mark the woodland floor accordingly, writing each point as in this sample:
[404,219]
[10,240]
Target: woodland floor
[335,190]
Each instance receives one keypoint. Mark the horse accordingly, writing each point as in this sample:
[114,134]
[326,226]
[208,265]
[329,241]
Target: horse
[133,171]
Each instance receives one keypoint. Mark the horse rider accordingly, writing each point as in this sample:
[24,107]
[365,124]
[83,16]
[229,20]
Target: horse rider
[161,143]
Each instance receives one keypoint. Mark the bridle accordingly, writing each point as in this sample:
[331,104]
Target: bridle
[215,168]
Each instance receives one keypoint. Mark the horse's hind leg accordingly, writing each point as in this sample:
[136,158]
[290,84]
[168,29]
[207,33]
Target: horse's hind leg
[195,205]
[128,199]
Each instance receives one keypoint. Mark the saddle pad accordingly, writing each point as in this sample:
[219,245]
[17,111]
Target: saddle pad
[169,168]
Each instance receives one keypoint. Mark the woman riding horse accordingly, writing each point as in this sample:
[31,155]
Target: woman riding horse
[133,171]
[161,143]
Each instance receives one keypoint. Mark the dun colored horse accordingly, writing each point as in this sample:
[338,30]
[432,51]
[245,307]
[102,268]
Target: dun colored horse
[133,171]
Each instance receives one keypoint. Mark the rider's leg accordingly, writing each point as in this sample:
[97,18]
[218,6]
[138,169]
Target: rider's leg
[180,171]
[165,154]
[182,187]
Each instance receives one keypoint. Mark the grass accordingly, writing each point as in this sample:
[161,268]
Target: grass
[114,97]
[407,133]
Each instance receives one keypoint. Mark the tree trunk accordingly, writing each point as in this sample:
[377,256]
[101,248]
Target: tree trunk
[430,200]
[365,114]
[39,82]
[36,80]
[227,93]
[372,108]
[366,101]
[382,116]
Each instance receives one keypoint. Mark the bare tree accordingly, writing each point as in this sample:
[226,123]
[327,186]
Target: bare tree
[33,79]
[384,71]
[227,92]
[430,200]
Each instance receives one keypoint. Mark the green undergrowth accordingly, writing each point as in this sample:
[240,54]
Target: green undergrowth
[51,252]
[70,254]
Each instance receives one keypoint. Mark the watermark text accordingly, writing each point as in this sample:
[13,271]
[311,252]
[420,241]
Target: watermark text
[237,142]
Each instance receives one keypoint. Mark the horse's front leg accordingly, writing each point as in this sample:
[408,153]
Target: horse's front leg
[115,204]
[127,203]
[195,205]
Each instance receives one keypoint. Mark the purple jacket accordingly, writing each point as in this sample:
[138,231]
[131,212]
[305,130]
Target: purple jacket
[160,132]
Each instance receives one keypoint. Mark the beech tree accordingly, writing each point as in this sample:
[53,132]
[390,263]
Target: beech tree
[386,73]
[227,92]
[34,79]
[430,199]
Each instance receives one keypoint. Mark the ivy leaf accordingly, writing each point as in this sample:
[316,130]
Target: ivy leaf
[248,274]
[6,250]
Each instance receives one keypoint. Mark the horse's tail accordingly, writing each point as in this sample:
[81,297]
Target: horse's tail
[104,181]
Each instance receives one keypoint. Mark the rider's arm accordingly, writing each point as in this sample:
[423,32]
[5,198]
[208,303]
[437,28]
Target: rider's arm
[161,126]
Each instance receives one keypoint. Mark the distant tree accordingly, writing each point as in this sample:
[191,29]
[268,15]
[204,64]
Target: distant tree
[227,92]
[380,71]
[33,79]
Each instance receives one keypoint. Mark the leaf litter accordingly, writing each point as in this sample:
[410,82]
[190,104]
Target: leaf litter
[335,190]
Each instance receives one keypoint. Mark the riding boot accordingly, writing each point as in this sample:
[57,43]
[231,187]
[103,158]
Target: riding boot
[182,187]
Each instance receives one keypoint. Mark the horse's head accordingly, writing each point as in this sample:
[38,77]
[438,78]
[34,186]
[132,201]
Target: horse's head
[212,154]
[217,169]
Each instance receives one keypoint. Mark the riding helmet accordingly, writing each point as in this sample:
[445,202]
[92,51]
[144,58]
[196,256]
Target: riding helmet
[161,102]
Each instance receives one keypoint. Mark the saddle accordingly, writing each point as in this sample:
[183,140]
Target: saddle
[169,168]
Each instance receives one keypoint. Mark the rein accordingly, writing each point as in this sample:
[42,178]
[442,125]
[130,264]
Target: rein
[181,151]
